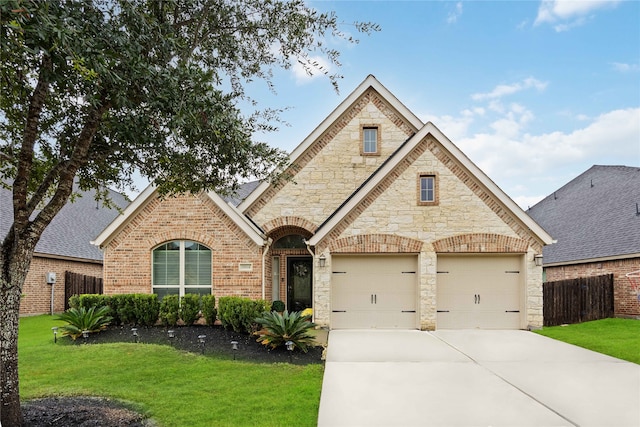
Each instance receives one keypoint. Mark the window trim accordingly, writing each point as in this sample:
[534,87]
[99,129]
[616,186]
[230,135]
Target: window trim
[362,132]
[436,192]
[181,268]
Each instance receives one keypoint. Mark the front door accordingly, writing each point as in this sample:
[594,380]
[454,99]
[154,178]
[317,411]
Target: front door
[299,283]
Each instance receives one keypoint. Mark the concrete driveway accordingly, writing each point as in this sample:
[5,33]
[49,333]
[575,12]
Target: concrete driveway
[473,378]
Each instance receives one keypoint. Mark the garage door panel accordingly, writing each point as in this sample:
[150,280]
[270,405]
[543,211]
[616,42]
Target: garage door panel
[374,292]
[479,291]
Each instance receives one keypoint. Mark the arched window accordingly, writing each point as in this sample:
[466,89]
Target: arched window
[181,267]
[292,241]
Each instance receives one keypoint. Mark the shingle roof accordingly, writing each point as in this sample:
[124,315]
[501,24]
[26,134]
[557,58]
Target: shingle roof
[593,216]
[243,191]
[72,230]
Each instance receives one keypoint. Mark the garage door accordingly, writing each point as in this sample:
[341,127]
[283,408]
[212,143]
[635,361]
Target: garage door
[479,292]
[374,292]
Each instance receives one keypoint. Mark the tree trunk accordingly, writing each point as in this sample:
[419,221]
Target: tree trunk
[15,260]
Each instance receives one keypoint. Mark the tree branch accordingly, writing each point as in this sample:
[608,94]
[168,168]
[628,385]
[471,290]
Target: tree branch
[23,174]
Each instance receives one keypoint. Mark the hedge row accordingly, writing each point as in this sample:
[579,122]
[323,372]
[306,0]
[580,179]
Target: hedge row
[147,310]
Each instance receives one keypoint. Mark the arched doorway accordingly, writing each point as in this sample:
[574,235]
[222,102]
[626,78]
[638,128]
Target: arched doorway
[292,270]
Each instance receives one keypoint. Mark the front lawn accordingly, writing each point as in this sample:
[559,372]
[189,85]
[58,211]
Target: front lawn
[616,337]
[173,387]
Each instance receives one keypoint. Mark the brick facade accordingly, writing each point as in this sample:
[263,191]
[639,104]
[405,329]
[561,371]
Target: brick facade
[37,293]
[626,298]
[128,255]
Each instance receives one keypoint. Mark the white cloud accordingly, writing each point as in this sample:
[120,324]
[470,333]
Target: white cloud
[566,14]
[453,16]
[504,90]
[317,65]
[625,68]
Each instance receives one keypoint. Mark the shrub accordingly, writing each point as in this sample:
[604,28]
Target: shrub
[170,310]
[209,311]
[278,328]
[146,309]
[240,313]
[251,310]
[229,312]
[190,308]
[89,300]
[278,306]
[94,319]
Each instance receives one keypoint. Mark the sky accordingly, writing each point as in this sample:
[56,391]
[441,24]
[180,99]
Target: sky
[533,92]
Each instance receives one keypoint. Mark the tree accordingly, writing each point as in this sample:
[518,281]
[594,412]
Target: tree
[93,90]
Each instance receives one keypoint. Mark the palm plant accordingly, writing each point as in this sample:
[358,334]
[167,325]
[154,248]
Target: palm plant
[93,319]
[278,328]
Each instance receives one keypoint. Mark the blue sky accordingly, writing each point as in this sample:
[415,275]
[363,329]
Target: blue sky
[534,92]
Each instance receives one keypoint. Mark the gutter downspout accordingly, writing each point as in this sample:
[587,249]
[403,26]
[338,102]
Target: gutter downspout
[313,276]
[264,256]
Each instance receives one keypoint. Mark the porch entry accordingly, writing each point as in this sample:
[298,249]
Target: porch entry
[299,283]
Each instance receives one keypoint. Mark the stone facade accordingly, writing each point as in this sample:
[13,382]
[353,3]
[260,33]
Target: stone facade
[626,297]
[36,293]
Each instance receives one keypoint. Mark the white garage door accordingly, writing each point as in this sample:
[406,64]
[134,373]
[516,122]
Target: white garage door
[479,292]
[374,291]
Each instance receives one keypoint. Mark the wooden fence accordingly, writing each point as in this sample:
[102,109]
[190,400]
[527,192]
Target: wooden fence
[78,284]
[578,300]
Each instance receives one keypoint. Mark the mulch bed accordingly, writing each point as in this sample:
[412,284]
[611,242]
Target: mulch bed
[90,411]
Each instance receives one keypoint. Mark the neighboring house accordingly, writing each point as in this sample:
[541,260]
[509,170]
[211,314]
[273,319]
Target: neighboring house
[596,221]
[385,224]
[65,245]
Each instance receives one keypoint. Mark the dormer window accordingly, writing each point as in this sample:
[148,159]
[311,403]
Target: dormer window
[370,140]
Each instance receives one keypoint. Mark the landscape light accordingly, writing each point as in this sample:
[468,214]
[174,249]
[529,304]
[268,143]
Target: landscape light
[201,340]
[234,346]
[289,345]
[134,331]
[172,333]
[55,334]
[85,335]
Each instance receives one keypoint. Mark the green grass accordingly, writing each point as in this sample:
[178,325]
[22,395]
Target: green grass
[616,337]
[174,388]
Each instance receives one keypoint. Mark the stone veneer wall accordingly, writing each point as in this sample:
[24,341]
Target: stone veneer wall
[464,208]
[626,302]
[37,293]
[127,257]
[333,168]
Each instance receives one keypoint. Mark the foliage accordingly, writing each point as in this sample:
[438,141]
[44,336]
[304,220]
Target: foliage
[616,337]
[278,306]
[170,310]
[190,308]
[146,309]
[278,328]
[93,319]
[94,91]
[240,313]
[159,378]
[89,300]
[209,311]
[132,309]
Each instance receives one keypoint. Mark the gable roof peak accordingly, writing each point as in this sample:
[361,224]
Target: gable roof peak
[370,82]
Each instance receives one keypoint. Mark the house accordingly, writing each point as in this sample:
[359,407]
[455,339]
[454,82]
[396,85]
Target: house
[385,224]
[596,221]
[65,245]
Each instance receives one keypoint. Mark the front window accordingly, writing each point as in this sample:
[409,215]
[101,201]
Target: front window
[181,267]
[370,140]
